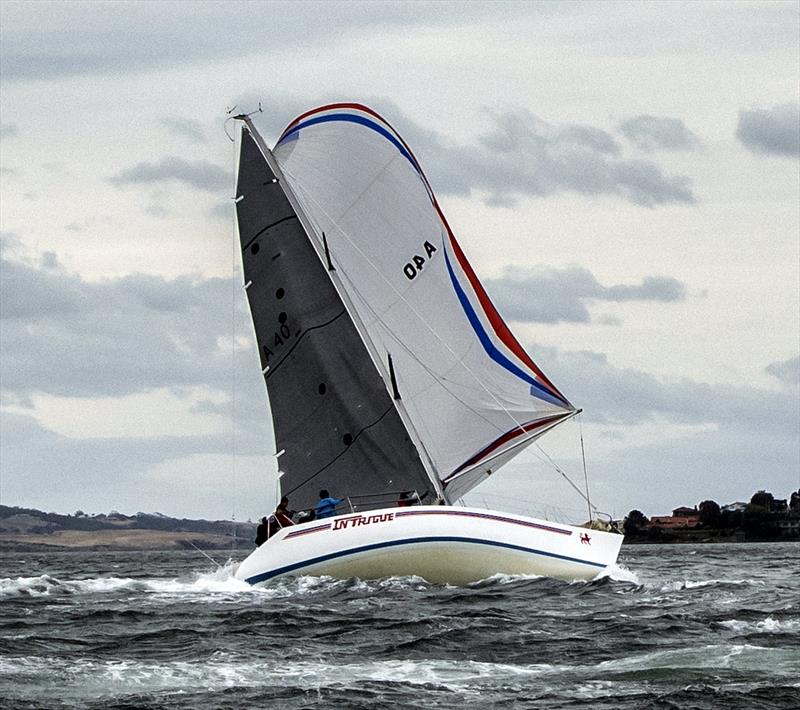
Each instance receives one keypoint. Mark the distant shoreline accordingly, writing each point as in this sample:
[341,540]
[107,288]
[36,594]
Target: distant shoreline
[28,529]
[119,541]
[159,540]
[705,540]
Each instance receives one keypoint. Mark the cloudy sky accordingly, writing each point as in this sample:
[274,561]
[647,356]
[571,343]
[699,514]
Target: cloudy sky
[623,176]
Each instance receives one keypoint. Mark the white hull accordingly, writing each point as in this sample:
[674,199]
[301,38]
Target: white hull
[438,543]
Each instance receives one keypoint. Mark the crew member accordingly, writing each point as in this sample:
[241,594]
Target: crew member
[262,532]
[326,508]
[282,513]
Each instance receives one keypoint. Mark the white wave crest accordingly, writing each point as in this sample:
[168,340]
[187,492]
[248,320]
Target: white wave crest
[743,657]
[620,574]
[45,585]
[61,678]
[84,678]
[765,626]
[220,581]
[679,585]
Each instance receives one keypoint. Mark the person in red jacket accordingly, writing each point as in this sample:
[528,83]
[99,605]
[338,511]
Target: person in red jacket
[282,513]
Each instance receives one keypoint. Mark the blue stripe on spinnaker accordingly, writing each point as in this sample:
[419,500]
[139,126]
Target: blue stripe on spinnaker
[263,576]
[490,348]
[354,118]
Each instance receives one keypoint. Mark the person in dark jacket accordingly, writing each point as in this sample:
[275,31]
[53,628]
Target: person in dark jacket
[262,532]
[326,508]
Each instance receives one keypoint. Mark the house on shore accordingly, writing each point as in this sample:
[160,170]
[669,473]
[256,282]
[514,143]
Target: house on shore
[682,517]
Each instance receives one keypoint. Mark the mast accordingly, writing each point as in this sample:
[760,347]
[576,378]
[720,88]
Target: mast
[323,254]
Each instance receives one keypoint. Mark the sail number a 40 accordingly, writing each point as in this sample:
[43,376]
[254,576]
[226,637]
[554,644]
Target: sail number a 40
[413,267]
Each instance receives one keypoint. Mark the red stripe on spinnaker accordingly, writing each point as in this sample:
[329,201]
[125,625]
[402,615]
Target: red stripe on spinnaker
[498,324]
[504,439]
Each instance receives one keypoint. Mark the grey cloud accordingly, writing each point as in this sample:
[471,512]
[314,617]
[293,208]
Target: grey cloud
[46,40]
[524,155]
[27,293]
[556,295]
[199,174]
[8,130]
[774,131]
[45,470]
[787,371]
[651,133]
[613,395]
[69,337]
[206,406]
[64,336]
[186,128]
[43,40]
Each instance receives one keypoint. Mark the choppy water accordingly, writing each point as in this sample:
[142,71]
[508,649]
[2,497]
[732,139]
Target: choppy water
[709,626]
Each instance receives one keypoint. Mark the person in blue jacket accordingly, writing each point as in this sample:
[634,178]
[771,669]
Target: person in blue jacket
[326,508]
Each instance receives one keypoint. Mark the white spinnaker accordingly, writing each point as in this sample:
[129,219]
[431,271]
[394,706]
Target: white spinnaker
[361,187]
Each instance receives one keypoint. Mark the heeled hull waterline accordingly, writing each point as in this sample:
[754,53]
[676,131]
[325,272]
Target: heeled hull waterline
[443,545]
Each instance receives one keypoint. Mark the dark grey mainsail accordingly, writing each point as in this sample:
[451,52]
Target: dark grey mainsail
[333,416]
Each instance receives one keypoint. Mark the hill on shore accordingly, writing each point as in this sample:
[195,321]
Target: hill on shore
[27,529]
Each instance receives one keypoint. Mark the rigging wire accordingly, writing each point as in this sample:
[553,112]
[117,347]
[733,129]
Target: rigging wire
[585,474]
[564,475]
[204,554]
[234,249]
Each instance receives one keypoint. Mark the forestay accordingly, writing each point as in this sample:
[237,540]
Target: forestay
[472,395]
[334,420]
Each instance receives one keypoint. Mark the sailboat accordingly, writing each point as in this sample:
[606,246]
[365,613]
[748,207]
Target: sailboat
[390,375]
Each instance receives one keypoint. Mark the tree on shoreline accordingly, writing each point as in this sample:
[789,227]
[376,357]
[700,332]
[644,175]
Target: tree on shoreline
[635,522]
[710,514]
[763,499]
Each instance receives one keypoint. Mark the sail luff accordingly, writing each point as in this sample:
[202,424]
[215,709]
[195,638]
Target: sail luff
[324,255]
